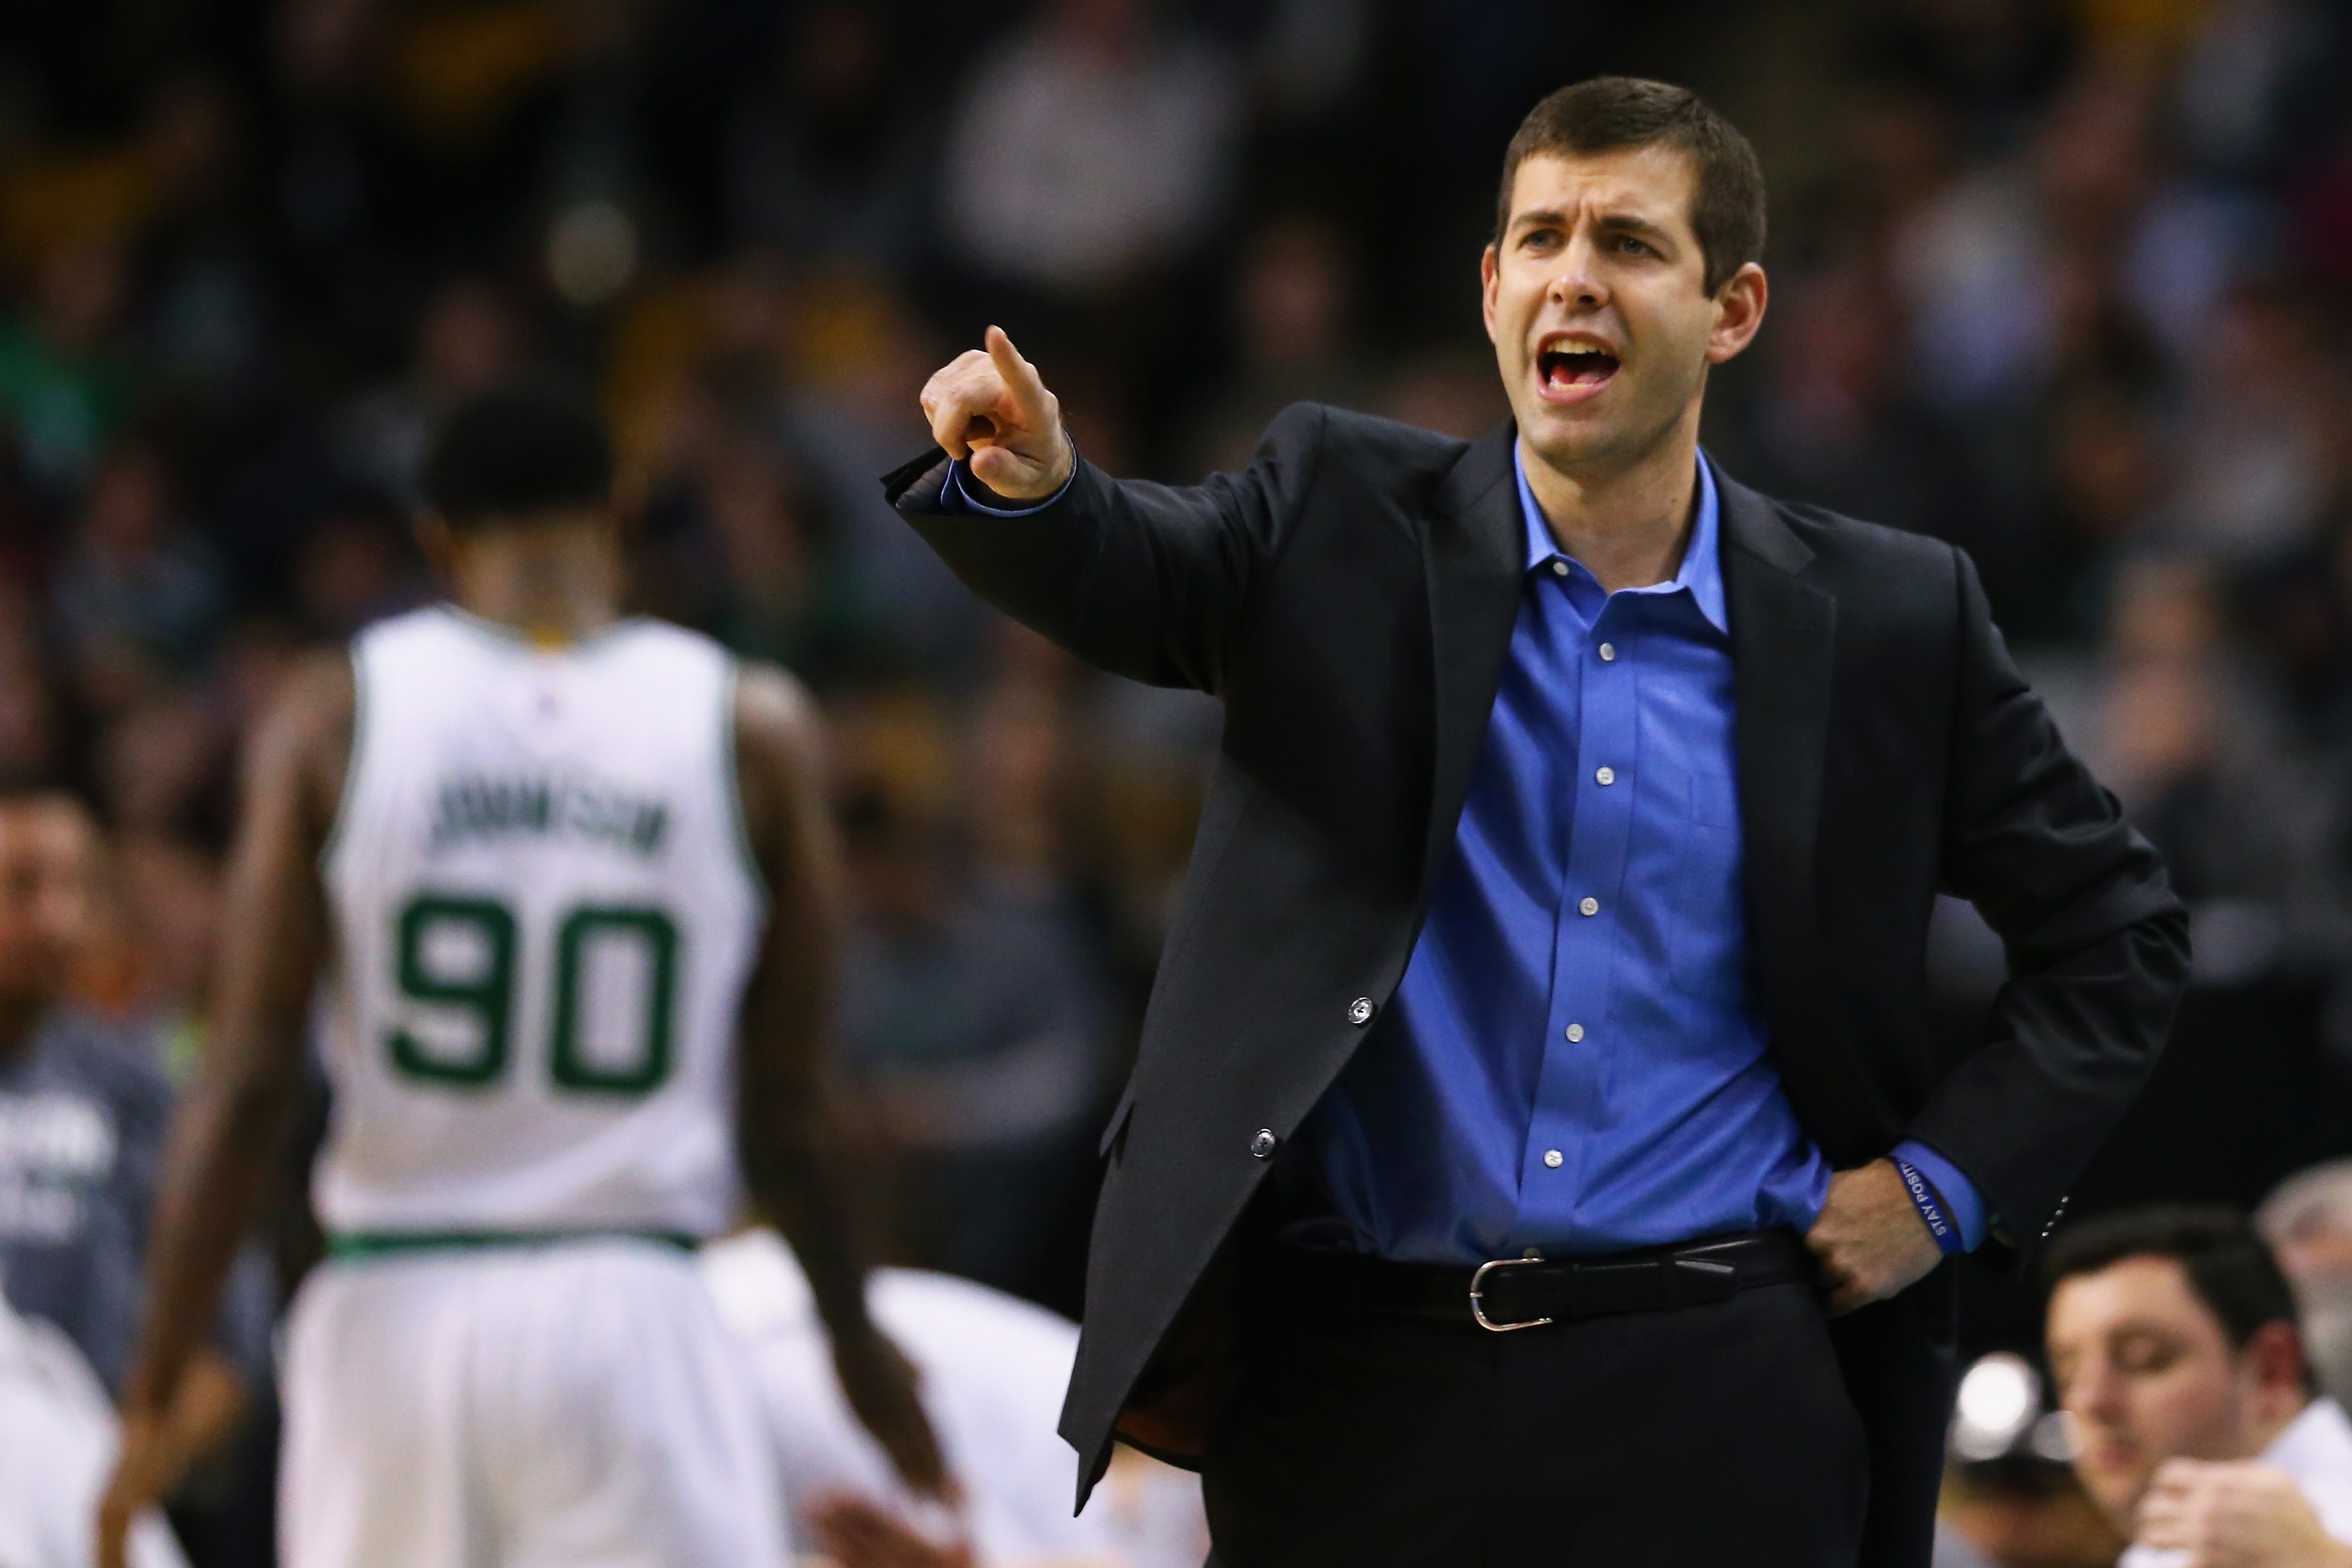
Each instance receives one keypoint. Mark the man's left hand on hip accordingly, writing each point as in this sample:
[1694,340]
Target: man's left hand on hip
[1870,1238]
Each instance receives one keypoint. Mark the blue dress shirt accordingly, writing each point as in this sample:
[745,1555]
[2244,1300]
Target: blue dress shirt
[1575,1060]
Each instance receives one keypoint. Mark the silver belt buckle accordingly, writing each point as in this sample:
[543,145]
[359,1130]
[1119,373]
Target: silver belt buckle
[1479,1314]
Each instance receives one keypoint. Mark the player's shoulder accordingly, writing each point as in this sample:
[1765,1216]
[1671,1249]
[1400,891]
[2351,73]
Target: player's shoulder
[772,706]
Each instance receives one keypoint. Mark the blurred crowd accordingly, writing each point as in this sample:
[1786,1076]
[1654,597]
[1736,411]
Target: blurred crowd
[2068,282]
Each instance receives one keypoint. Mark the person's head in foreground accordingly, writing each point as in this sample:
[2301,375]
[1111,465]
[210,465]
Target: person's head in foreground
[2308,1222]
[2173,1340]
[1624,267]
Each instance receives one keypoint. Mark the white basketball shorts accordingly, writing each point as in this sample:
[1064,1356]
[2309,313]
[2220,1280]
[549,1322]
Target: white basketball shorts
[571,1404]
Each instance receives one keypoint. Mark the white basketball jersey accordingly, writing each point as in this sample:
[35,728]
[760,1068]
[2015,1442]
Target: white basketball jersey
[545,912]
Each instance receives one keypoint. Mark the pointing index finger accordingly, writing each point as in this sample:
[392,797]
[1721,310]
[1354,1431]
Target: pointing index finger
[1021,378]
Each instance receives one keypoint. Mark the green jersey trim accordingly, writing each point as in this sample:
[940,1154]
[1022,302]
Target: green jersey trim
[349,1246]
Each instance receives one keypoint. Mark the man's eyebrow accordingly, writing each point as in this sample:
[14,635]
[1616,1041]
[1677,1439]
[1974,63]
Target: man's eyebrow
[1615,222]
[1631,223]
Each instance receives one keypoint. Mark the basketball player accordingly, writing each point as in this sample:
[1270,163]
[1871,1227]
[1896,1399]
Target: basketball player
[567,880]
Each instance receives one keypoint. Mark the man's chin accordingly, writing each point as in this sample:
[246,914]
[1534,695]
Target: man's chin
[1571,440]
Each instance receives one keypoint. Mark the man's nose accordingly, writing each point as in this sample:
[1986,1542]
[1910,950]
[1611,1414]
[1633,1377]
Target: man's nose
[2089,1393]
[1577,283]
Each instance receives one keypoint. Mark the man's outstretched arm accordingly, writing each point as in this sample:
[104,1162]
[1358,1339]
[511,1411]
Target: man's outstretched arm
[787,1093]
[225,1136]
[1147,581]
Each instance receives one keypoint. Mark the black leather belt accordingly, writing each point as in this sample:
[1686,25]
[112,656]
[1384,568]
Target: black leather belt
[1511,1293]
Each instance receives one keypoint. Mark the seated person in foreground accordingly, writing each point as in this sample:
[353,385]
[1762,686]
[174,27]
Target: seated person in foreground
[992,1370]
[57,1440]
[2173,1339]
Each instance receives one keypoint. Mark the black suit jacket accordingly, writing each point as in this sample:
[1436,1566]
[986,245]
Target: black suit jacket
[1351,597]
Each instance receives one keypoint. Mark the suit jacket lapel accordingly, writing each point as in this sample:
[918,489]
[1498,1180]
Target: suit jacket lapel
[1474,549]
[1783,650]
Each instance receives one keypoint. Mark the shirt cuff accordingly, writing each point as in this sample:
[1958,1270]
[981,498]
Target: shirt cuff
[1961,1199]
[955,499]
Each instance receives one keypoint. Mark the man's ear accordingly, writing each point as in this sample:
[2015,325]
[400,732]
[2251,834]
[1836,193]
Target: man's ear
[1739,313]
[2275,1352]
[1490,277]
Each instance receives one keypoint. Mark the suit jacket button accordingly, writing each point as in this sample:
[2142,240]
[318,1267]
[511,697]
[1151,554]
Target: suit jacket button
[1359,1011]
[1262,1144]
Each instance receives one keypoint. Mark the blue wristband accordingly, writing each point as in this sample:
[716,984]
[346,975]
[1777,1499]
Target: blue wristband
[1930,1206]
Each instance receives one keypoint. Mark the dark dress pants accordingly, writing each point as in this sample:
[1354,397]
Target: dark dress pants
[1691,1438]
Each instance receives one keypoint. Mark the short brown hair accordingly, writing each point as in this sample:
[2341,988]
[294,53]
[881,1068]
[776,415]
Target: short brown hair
[1611,113]
[2229,1267]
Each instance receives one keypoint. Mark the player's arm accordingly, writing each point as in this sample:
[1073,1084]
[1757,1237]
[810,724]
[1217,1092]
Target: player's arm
[226,1137]
[786,1095]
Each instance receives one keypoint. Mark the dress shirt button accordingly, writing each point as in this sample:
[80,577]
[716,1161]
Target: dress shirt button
[1359,1011]
[1262,1144]
[1609,653]
[1552,1157]
[1589,907]
[1559,568]
[1576,1034]
[1604,777]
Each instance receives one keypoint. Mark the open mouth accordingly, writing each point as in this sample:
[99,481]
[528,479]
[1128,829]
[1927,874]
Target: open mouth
[1569,370]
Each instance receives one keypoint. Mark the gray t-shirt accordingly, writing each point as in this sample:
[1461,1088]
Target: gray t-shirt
[83,1110]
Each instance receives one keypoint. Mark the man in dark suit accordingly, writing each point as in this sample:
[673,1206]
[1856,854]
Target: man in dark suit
[1535,1153]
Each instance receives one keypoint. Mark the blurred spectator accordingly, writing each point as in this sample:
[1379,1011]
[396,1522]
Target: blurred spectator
[2307,1222]
[467,340]
[972,1009]
[2173,1338]
[2107,472]
[82,1111]
[357,564]
[139,601]
[205,309]
[864,357]
[27,712]
[2263,441]
[827,158]
[2244,832]
[1834,422]
[1295,326]
[2064,262]
[1089,148]
[1993,62]
[63,388]
[780,599]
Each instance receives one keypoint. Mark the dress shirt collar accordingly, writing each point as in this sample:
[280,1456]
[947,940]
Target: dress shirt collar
[1702,567]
